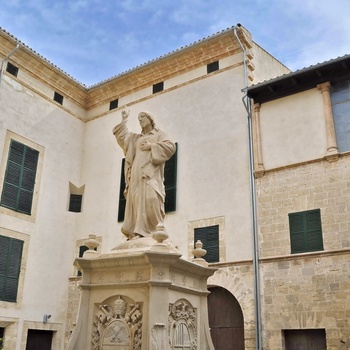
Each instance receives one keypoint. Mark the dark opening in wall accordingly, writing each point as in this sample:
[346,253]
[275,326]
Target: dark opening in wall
[158,87]
[10,68]
[58,98]
[113,104]
[75,201]
[212,67]
[76,195]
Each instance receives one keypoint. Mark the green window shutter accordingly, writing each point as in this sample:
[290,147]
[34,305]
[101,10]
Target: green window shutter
[209,236]
[305,231]
[122,199]
[170,176]
[10,266]
[19,180]
[75,201]
[314,230]
[170,172]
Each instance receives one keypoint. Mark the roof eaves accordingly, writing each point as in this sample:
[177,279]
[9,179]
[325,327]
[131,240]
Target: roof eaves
[27,48]
[165,56]
[297,72]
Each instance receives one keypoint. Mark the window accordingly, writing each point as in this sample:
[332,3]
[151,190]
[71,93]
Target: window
[18,187]
[75,201]
[82,250]
[58,98]
[2,332]
[170,172]
[158,87]
[38,339]
[212,67]
[113,104]
[305,339]
[340,98]
[10,68]
[10,263]
[305,231]
[122,200]
[209,236]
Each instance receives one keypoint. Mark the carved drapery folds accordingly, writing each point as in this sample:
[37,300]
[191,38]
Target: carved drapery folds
[117,325]
[182,325]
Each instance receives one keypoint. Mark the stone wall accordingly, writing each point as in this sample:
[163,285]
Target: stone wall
[309,290]
[320,185]
[74,293]
[238,279]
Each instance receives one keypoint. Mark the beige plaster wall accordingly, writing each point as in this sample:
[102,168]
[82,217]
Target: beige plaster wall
[268,67]
[51,240]
[207,119]
[293,129]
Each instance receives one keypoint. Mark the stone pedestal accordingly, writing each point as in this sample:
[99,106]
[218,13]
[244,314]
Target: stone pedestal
[141,298]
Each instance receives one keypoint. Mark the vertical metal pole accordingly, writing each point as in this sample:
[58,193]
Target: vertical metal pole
[246,103]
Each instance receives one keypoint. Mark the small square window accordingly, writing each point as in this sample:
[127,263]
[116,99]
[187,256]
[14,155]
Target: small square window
[209,236]
[113,104]
[158,87]
[75,201]
[10,68]
[305,231]
[212,67]
[58,98]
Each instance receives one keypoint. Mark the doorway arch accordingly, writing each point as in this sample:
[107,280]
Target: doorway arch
[225,320]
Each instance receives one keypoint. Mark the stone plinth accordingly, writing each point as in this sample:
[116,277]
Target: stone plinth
[140,299]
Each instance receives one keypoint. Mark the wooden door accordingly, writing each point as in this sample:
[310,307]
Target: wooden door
[39,339]
[305,339]
[225,320]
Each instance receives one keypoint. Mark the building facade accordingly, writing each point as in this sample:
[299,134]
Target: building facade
[61,174]
[302,149]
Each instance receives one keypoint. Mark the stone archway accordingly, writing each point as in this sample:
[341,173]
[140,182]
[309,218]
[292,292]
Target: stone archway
[225,320]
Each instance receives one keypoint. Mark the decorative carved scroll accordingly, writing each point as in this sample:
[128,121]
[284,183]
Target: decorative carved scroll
[117,326]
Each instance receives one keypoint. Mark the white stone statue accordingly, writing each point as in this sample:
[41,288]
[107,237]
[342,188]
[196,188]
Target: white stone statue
[145,157]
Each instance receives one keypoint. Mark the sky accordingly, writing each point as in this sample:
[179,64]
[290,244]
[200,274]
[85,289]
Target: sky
[94,40]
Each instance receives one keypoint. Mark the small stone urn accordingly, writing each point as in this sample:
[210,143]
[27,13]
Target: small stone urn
[160,236]
[92,243]
[198,253]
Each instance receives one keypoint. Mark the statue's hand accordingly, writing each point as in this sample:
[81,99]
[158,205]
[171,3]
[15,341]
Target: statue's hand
[145,146]
[125,114]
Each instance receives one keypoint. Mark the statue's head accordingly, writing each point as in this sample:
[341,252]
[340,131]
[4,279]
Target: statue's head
[149,116]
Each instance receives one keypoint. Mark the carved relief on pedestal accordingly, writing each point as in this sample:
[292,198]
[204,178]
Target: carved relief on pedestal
[117,325]
[159,337]
[182,325]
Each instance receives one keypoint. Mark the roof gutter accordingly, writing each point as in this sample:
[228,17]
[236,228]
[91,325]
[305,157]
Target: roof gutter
[247,104]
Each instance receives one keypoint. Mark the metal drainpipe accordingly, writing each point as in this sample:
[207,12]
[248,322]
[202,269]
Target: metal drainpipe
[4,60]
[246,103]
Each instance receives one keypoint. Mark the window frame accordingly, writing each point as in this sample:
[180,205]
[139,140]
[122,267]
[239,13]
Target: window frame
[209,236]
[11,253]
[3,166]
[305,230]
[340,104]
[25,238]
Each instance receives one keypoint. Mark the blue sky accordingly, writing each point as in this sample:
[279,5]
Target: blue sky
[93,40]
